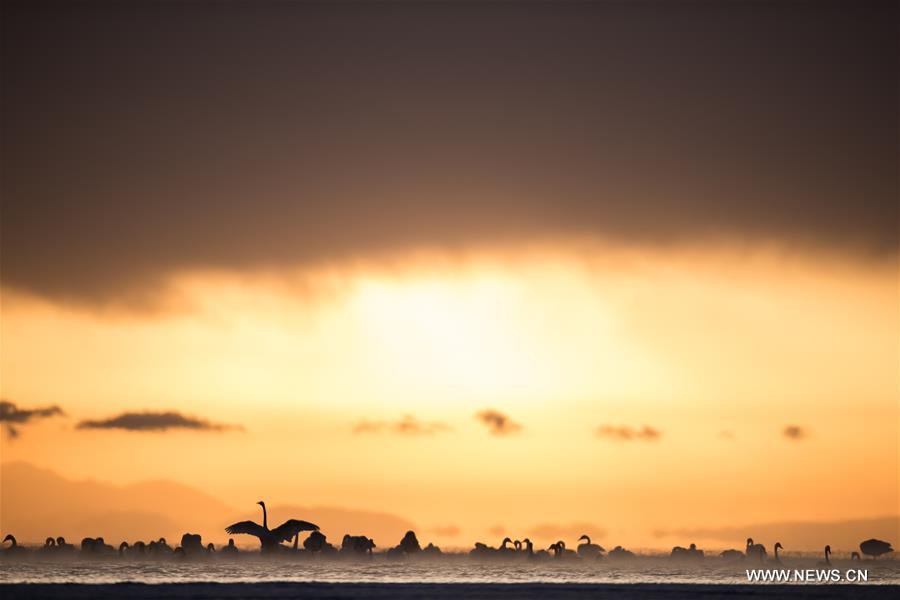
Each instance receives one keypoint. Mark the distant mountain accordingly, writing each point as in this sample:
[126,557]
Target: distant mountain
[36,503]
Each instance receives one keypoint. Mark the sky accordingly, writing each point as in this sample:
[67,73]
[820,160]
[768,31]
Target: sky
[492,267]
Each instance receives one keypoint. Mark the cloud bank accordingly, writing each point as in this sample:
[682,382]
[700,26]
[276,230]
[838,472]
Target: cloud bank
[408,426]
[794,432]
[11,416]
[155,421]
[498,423]
[381,148]
[625,433]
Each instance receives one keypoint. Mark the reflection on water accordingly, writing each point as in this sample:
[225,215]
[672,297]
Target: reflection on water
[641,570]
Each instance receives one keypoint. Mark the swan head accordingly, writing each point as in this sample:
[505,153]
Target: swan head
[585,538]
[506,540]
[827,549]
[261,503]
[749,542]
[60,541]
[778,546]
[49,542]
[561,544]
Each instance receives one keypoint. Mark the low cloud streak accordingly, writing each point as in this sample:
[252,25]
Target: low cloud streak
[11,415]
[407,426]
[498,423]
[625,433]
[155,421]
[795,433]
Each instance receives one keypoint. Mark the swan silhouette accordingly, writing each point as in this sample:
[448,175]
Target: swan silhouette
[230,549]
[757,551]
[560,550]
[777,547]
[589,550]
[14,548]
[827,561]
[63,546]
[875,548]
[690,552]
[271,539]
[620,552]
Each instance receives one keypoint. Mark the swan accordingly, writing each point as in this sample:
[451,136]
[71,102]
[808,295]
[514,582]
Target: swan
[875,548]
[358,544]
[529,548]
[14,550]
[777,547]
[49,547]
[560,551]
[732,554]
[410,543]
[62,546]
[589,550]
[192,544]
[160,548]
[620,552]
[757,551]
[230,549]
[270,539]
[827,561]
[314,542]
[431,550]
[96,546]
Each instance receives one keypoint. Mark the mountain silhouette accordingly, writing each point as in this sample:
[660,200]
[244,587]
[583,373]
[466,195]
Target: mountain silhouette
[37,502]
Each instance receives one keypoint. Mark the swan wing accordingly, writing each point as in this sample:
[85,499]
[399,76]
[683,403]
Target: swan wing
[292,527]
[248,527]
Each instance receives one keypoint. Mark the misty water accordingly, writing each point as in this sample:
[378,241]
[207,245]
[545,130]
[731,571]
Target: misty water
[449,569]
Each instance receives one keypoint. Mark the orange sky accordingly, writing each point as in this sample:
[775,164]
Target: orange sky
[716,348]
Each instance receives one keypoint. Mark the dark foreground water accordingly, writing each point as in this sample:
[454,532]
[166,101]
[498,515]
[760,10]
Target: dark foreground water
[475,591]
[446,578]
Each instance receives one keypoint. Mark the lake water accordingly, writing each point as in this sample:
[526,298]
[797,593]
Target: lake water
[449,569]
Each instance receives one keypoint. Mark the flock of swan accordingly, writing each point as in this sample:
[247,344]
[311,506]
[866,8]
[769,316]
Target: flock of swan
[272,542]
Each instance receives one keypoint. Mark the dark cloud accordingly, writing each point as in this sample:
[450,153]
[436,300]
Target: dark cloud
[155,421]
[627,434]
[254,140]
[570,530]
[11,416]
[794,432]
[497,422]
[408,425]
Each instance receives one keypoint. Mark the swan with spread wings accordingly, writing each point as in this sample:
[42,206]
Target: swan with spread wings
[270,539]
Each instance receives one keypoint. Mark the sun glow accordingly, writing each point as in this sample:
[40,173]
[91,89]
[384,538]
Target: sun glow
[560,341]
